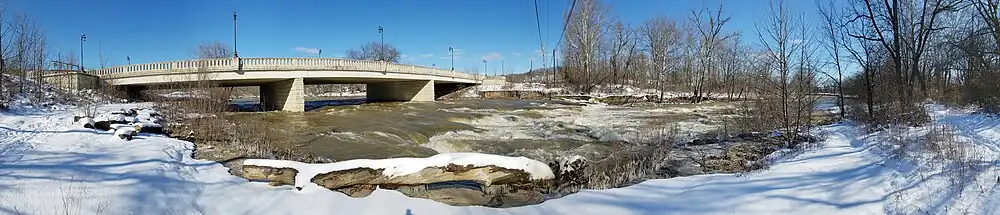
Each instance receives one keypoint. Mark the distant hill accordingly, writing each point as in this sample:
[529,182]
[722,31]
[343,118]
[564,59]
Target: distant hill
[540,75]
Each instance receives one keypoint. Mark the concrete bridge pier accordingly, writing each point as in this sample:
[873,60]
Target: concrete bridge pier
[418,91]
[284,95]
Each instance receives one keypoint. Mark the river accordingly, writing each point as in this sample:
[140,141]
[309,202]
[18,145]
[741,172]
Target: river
[343,129]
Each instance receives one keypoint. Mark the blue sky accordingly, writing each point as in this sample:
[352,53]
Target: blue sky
[497,30]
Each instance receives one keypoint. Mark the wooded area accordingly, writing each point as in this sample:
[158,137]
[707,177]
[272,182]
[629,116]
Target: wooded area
[891,54]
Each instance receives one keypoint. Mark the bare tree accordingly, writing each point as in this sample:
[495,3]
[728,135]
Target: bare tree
[661,36]
[585,30]
[979,48]
[623,52]
[903,29]
[28,43]
[4,29]
[375,51]
[833,34]
[783,100]
[709,26]
[210,50]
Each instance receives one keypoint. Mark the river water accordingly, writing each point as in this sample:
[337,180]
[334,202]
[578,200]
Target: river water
[351,129]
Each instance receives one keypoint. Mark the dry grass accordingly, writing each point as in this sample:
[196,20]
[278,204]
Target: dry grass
[887,115]
[633,164]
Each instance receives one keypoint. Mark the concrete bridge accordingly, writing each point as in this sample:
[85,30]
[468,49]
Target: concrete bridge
[282,80]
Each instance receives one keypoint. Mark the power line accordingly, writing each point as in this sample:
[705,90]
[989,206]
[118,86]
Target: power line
[565,24]
[538,24]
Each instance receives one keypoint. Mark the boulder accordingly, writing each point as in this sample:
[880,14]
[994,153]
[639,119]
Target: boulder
[276,176]
[451,196]
[515,197]
[679,167]
[358,191]
[86,122]
[149,128]
[485,175]
[100,125]
[125,112]
[126,132]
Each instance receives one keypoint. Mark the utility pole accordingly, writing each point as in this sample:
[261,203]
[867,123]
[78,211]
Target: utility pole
[452,52]
[100,52]
[235,53]
[555,68]
[83,38]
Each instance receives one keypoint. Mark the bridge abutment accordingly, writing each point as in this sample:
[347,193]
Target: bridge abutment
[285,95]
[420,91]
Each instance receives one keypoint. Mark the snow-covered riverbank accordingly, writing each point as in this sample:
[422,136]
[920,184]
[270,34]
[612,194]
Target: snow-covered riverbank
[49,166]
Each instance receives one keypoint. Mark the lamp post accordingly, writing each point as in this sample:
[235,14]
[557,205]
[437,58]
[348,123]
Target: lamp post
[320,53]
[381,46]
[486,69]
[452,52]
[129,59]
[235,53]
[83,37]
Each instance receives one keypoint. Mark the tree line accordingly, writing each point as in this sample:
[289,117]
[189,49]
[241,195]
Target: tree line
[891,54]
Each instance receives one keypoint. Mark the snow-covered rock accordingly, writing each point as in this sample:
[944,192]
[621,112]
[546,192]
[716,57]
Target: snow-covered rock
[125,132]
[85,122]
[569,170]
[484,168]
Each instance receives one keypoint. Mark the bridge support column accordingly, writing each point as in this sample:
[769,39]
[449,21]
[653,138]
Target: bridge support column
[419,91]
[286,95]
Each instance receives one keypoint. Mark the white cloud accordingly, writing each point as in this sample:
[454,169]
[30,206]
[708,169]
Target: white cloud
[492,56]
[427,55]
[307,50]
[516,54]
[541,53]
[407,58]
[447,55]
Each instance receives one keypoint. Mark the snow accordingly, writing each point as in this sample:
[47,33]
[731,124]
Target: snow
[343,94]
[124,130]
[405,166]
[50,166]
[564,163]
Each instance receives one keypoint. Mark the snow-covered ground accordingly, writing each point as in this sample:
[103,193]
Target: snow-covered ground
[342,94]
[48,166]
[599,91]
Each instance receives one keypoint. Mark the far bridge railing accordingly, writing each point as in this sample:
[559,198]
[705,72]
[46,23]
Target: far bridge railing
[272,64]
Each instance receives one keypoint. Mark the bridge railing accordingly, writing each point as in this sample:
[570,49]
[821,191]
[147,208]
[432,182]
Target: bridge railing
[274,64]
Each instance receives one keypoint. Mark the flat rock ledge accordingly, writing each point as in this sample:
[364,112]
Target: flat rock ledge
[489,185]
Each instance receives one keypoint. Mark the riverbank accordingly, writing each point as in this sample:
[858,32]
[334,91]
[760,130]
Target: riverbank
[51,167]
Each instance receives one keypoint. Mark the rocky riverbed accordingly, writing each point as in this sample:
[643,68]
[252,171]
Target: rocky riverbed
[588,145]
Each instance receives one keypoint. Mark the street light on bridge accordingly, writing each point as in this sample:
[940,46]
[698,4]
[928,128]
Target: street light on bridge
[83,37]
[381,48]
[452,51]
[235,53]
[486,68]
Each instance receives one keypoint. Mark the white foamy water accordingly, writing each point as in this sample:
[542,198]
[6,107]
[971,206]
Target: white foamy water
[583,124]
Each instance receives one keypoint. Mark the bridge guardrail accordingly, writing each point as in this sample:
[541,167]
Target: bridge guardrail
[274,64]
